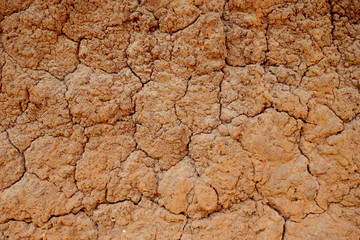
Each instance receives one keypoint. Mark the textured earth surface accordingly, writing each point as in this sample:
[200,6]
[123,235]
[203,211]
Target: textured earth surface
[180,119]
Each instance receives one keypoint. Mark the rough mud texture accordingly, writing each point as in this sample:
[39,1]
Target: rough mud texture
[181,119]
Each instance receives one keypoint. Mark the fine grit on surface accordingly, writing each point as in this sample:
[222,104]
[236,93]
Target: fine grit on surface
[180,119]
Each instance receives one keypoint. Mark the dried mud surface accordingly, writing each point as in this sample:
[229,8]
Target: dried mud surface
[182,119]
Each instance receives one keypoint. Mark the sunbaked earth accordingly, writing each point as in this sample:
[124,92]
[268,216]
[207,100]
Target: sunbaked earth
[180,119]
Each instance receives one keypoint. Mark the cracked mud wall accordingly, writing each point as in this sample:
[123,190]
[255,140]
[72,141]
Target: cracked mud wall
[183,119]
